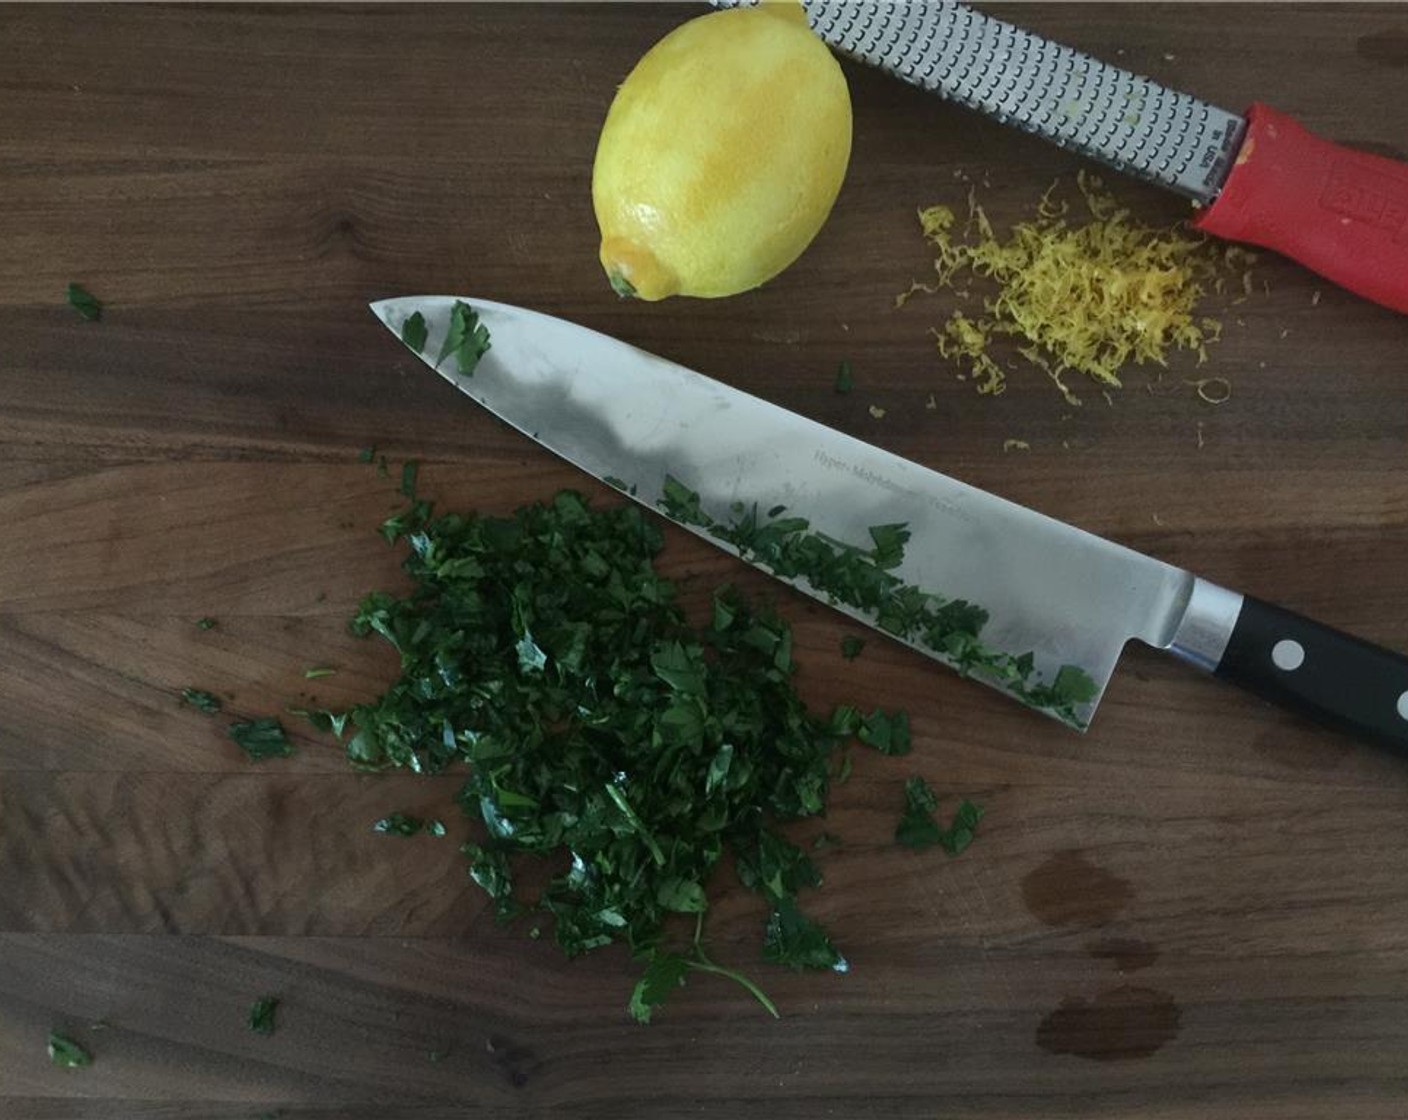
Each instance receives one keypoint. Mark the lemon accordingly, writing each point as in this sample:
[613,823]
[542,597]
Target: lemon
[721,155]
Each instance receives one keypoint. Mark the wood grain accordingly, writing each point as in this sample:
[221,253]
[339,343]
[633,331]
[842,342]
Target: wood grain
[1196,910]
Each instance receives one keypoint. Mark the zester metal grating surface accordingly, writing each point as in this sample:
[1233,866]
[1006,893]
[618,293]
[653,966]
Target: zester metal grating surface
[1069,98]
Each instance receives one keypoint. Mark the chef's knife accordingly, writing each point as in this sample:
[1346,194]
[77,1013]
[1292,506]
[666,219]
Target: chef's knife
[1060,603]
[1259,177]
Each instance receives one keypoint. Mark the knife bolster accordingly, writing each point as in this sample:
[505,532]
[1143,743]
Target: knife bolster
[1207,624]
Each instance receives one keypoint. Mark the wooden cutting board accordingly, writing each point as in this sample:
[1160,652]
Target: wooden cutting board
[1199,909]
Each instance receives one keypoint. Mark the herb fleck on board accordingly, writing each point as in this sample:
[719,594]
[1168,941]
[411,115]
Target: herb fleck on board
[261,738]
[65,1053]
[263,1015]
[201,700]
[84,302]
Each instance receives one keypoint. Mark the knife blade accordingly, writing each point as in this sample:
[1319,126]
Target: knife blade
[1258,177]
[1058,604]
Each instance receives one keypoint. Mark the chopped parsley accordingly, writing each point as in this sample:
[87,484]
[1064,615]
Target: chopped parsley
[65,1053]
[84,302]
[317,672]
[664,973]
[206,623]
[413,331]
[409,470]
[845,382]
[793,939]
[366,455]
[262,1015]
[603,732]
[851,647]
[333,723]
[887,733]
[261,738]
[467,339]
[917,827]
[405,824]
[198,698]
[863,578]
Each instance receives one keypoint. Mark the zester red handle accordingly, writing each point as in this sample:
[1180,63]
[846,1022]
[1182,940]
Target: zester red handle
[1340,212]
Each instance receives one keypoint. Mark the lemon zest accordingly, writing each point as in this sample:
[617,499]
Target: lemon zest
[915,287]
[1086,297]
[1222,396]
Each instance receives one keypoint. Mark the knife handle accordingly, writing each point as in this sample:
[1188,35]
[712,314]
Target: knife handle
[1341,212]
[1333,678]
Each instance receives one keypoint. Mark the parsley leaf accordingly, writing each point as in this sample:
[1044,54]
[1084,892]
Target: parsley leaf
[682,503]
[467,339]
[917,827]
[261,738]
[413,331]
[682,669]
[960,833]
[409,470]
[206,623]
[262,1015]
[792,939]
[1074,685]
[366,455]
[316,672]
[84,302]
[889,543]
[662,975]
[683,896]
[65,1053]
[776,868]
[851,647]
[198,698]
[888,733]
[333,723]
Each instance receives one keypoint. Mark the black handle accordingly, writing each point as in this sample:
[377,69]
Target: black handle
[1332,677]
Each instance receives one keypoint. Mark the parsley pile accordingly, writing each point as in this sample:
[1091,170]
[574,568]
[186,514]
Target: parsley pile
[605,732]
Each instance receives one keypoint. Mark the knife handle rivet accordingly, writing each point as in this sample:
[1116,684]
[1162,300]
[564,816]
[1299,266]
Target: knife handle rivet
[1403,705]
[1288,655]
